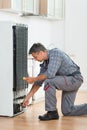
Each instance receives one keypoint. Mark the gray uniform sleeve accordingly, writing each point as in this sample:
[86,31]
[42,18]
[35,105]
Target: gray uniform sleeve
[43,68]
[51,67]
[54,64]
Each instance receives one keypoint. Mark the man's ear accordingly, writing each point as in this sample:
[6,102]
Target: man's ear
[41,52]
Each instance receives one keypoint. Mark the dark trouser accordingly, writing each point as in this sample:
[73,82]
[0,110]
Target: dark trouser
[69,86]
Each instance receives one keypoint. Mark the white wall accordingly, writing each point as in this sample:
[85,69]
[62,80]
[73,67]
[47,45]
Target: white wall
[76,33]
[40,29]
[57,34]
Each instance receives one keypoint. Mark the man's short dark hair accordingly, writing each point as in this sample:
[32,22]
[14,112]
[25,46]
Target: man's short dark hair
[36,47]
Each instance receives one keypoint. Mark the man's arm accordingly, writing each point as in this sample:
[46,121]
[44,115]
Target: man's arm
[29,95]
[31,80]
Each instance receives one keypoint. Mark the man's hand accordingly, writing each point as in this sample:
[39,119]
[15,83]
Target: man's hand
[25,102]
[29,95]
[29,80]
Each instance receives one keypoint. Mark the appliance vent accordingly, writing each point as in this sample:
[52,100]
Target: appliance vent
[20,43]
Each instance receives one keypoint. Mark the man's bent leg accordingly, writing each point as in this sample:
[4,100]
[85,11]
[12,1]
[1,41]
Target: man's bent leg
[69,86]
[68,107]
[50,96]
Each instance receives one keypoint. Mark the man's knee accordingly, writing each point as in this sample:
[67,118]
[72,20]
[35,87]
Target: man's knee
[46,84]
[47,81]
[66,110]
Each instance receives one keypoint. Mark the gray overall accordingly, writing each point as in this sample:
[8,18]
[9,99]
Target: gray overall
[62,74]
[69,86]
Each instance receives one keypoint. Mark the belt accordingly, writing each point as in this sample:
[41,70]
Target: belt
[74,73]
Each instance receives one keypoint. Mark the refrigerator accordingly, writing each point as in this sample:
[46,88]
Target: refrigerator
[13,67]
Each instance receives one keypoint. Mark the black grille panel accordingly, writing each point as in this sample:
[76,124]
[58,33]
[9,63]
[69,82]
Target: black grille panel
[20,43]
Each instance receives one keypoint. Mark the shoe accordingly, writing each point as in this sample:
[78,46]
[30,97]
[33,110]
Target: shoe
[50,115]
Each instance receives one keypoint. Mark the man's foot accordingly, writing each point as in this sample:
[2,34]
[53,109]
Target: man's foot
[50,115]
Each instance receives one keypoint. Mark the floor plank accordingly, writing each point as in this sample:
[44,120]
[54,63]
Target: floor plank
[29,119]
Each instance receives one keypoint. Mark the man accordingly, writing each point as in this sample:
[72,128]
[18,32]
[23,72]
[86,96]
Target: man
[58,72]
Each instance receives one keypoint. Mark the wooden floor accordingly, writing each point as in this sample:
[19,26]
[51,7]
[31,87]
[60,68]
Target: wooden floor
[29,119]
